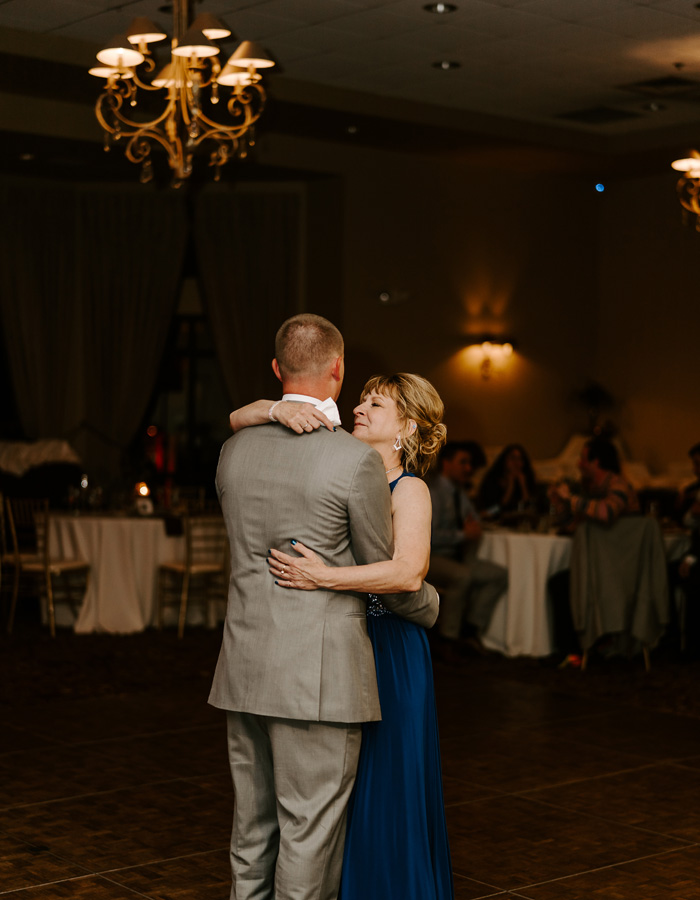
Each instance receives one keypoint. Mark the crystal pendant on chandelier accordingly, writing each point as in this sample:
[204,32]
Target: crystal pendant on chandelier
[190,84]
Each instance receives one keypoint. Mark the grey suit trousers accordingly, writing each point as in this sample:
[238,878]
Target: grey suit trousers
[292,781]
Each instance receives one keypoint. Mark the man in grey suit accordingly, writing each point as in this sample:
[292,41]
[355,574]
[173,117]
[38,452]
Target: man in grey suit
[296,669]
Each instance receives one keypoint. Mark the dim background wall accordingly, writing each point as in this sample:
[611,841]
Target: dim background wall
[462,250]
[649,322]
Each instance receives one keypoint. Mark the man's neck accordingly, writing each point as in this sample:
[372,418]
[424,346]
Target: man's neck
[309,388]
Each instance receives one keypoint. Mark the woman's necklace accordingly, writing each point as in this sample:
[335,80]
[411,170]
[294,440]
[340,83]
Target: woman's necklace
[386,471]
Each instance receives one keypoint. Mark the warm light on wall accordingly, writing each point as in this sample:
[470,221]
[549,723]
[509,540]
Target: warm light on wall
[490,353]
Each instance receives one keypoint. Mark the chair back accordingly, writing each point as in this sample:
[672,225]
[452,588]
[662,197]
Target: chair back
[205,539]
[4,528]
[22,514]
[41,531]
[618,581]
[191,500]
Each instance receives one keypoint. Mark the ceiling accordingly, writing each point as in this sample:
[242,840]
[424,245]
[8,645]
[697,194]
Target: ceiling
[624,71]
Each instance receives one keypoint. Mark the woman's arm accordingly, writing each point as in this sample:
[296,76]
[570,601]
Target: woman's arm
[411,512]
[290,413]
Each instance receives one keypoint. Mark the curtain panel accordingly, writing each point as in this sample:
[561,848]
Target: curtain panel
[88,286]
[249,255]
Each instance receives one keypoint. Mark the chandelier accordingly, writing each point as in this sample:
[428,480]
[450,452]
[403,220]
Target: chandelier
[188,87]
[688,186]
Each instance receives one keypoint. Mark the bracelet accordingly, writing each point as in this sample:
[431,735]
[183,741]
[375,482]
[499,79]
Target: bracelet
[270,410]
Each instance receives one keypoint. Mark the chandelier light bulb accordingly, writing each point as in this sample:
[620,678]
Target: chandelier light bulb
[211,27]
[690,165]
[194,43]
[119,52]
[144,31]
[250,53]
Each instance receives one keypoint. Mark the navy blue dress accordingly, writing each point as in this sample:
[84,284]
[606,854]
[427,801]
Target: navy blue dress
[396,846]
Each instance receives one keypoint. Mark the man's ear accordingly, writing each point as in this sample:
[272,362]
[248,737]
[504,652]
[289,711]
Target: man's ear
[337,369]
[276,369]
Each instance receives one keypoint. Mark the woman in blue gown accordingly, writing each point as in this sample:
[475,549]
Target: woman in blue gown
[396,846]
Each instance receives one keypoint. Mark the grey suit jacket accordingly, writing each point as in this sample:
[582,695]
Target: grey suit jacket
[303,654]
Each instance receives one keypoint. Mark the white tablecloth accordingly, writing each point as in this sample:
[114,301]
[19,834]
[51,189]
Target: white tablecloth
[520,623]
[124,555]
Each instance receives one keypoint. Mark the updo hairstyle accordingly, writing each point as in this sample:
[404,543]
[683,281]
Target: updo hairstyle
[416,399]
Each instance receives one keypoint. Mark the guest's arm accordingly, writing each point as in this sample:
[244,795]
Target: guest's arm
[291,413]
[405,571]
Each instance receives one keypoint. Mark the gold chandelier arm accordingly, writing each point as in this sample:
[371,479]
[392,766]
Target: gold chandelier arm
[186,101]
[138,148]
[220,136]
[249,115]
[115,102]
[148,65]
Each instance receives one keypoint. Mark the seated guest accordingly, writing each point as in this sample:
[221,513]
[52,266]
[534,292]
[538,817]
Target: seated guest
[688,496]
[509,485]
[603,495]
[684,574]
[471,586]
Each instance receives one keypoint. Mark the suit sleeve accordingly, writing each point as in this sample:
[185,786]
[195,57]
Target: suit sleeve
[369,509]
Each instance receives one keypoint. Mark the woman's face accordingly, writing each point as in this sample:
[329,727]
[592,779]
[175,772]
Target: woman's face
[514,461]
[377,420]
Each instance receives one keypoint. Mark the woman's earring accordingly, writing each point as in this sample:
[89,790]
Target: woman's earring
[397,443]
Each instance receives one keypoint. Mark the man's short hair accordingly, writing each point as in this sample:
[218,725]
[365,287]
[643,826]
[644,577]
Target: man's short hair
[305,344]
[605,452]
[476,454]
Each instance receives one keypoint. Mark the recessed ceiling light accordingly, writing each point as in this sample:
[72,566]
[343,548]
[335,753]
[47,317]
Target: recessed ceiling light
[446,64]
[440,9]
[27,157]
[352,129]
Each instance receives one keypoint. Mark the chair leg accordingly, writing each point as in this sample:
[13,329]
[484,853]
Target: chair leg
[647,661]
[183,604]
[682,610]
[49,603]
[13,603]
[161,591]
[584,660]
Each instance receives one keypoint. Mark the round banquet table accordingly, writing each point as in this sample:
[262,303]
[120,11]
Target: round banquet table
[520,623]
[124,554]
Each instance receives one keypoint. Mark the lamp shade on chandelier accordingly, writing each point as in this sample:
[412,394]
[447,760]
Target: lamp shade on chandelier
[688,186]
[188,86]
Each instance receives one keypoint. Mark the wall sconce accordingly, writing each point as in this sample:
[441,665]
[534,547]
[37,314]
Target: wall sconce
[494,349]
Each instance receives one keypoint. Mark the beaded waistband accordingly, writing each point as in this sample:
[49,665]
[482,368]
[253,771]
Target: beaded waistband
[375,608]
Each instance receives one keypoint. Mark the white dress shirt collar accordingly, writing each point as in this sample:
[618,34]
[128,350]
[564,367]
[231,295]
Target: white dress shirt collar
[327,406]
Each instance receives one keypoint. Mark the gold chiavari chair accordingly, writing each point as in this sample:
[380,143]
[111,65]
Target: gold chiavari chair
[29,528]
[205,567]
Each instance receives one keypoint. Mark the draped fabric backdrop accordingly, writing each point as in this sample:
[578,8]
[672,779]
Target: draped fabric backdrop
[39,304]
[88,285]
[89,281]
[131,251]
[248,248]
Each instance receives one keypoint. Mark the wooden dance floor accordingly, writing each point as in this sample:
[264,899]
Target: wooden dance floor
[559,785]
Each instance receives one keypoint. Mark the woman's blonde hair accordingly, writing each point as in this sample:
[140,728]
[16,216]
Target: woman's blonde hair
[415,399]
